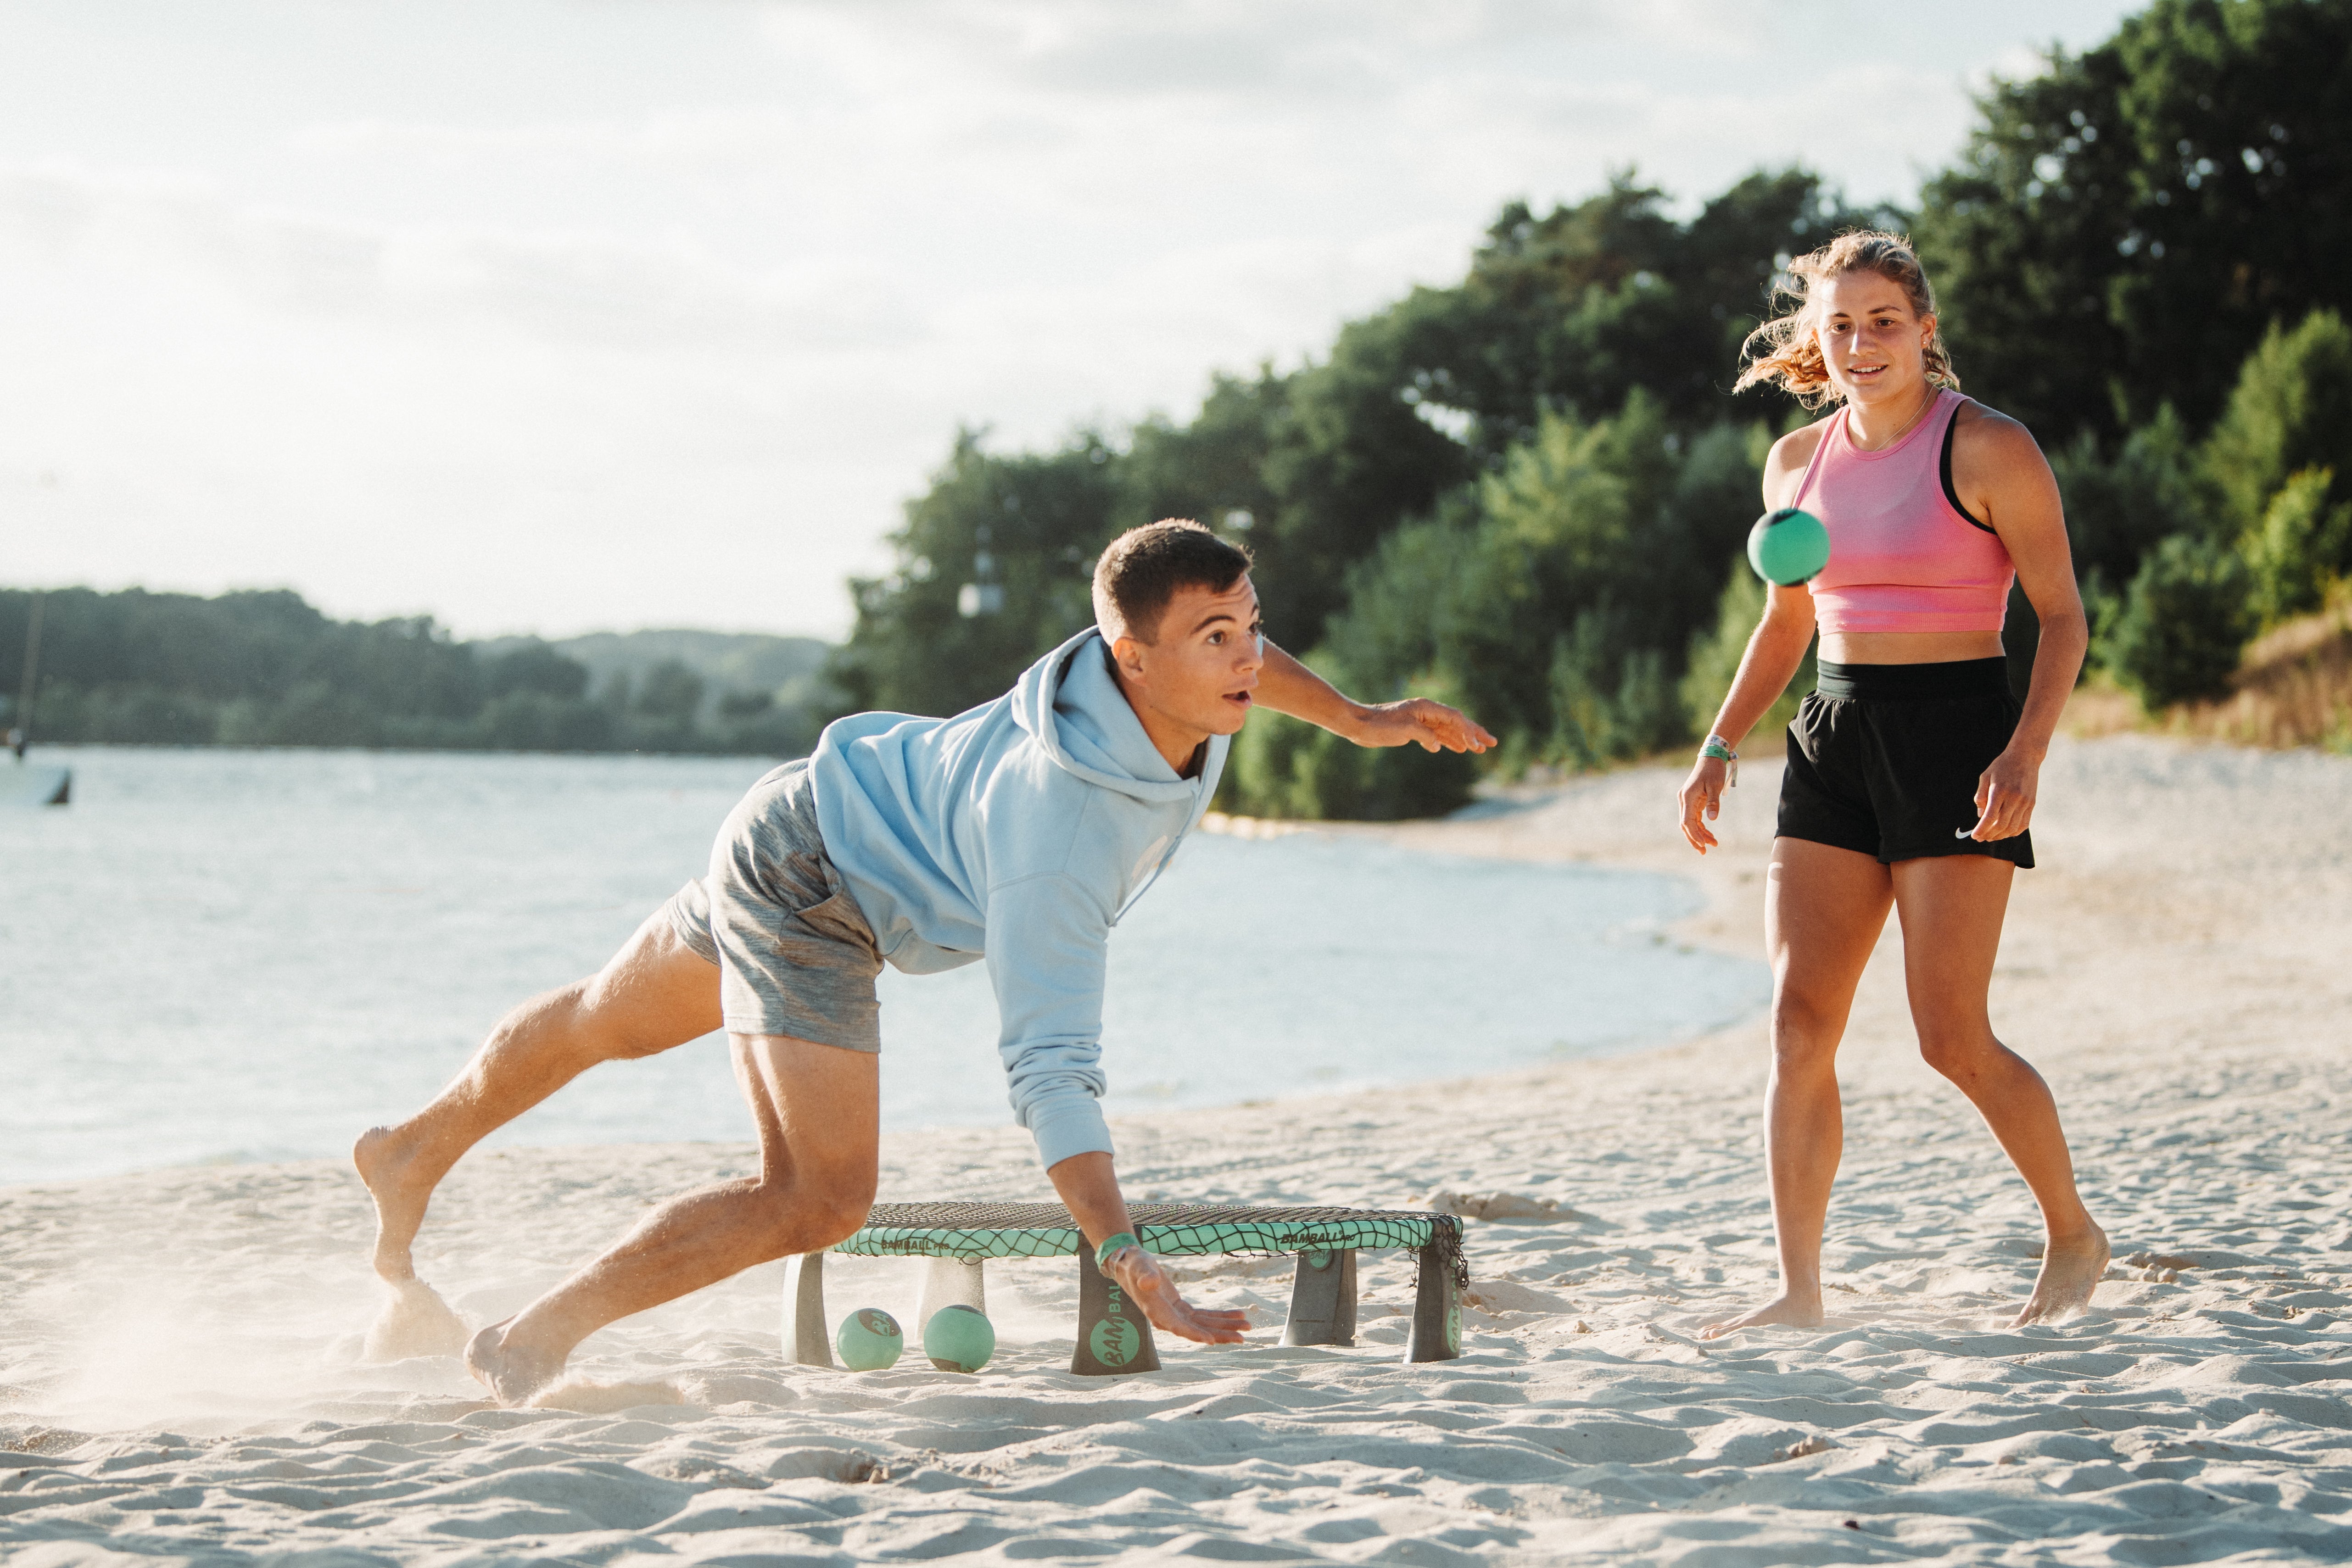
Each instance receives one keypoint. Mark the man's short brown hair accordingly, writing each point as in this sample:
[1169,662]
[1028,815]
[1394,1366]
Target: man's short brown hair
[1144,568]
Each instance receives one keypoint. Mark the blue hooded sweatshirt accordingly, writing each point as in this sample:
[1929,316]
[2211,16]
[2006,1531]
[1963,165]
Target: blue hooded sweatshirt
[1018,832]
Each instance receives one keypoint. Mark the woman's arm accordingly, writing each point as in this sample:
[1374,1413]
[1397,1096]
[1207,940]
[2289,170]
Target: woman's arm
[1285,686]
[1774,651]
[2003,479]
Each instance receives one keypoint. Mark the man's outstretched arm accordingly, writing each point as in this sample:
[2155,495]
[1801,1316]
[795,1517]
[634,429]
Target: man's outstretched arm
[1089,1190]
[1285,686]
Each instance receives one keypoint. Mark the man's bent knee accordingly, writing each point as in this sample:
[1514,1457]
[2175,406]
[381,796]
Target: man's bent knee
[810,1216]
[836,1208]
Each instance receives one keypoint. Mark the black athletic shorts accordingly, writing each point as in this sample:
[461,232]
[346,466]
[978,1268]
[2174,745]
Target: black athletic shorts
[1883,759]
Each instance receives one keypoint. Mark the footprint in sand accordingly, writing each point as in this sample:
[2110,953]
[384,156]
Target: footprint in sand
[415,1321]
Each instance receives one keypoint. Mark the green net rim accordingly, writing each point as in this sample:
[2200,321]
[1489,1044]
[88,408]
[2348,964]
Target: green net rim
[973,1232]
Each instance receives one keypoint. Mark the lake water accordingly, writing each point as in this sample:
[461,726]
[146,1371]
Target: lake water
[216,954]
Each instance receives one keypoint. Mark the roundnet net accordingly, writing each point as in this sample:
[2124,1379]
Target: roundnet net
[976,1231]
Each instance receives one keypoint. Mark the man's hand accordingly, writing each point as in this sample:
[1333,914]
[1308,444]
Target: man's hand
[1089,1188]
[1285,686]
[1139,1273]
[1418,721]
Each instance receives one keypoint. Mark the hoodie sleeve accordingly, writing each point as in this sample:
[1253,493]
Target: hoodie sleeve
[1048,946]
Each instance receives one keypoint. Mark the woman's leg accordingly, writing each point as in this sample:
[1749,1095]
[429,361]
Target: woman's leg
[1952,907]
[1823,909]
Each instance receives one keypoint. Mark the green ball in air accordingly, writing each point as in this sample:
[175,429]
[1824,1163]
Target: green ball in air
[958,1339]
[869,1340]
[1788,546]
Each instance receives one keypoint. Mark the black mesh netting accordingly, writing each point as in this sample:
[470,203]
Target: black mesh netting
[974,1231]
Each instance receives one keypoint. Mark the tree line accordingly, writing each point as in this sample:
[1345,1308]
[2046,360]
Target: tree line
[267,668]
[1526,492]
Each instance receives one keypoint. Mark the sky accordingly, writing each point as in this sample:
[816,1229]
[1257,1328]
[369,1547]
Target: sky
[564,315]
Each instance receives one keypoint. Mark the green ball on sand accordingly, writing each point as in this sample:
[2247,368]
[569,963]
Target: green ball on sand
[958,1339]
[869,1340]
[1788,546]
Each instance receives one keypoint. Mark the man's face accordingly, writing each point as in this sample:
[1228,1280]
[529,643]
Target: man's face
[1196,678]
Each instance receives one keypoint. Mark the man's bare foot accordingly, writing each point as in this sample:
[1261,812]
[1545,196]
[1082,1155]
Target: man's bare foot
[511,1375]
[2070,1273]
[1781,1311]
[401,1192]
[415,1321]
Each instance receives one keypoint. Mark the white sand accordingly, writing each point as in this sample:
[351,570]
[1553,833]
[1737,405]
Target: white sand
[180,1372]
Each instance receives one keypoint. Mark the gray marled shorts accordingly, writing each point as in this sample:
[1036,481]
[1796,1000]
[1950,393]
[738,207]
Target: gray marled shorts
[796,956]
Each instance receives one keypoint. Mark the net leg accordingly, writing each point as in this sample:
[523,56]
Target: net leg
[950,1282]
[1113,1336]
[1323,1300]
[806,1342]
[1436,1333]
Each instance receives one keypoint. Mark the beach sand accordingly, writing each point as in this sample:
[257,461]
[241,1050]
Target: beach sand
[180,1373]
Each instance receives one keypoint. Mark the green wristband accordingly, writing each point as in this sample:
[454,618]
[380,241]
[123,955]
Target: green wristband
[1111,1244]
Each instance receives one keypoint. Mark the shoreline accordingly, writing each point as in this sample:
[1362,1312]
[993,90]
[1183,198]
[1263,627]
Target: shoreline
[178,1351]
[1599,918]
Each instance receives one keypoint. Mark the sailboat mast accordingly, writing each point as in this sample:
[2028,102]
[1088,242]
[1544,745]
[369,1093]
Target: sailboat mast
[21,732]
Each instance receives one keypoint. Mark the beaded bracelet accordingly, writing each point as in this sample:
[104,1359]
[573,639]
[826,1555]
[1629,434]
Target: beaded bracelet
[1112,1245]
[1720,750]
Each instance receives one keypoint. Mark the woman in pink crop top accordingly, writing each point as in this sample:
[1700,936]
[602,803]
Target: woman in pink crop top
[1911,768]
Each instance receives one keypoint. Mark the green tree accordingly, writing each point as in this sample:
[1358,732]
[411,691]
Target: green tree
[1022,534]
[268,669]
[1211,470]
[2299,548]
[1554,598]
[2124,225]
[2119,508]
[535,666]
[2183,623]
[2291,411]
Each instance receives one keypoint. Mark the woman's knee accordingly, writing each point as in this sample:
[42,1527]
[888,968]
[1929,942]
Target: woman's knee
[1957,1048]
[1805,1028]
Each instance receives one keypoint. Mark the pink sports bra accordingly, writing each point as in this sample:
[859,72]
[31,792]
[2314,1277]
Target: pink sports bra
[1905,555]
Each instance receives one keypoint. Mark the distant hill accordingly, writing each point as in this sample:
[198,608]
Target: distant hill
[789,669]
[266,668]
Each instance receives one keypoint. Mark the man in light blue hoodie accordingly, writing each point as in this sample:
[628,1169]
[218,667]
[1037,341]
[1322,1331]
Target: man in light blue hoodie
[1016,833]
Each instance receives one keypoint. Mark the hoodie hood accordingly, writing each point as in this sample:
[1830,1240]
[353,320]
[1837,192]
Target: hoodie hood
[1070,703]
[1015,833]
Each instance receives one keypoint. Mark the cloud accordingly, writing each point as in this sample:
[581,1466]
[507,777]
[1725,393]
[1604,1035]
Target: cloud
[585,287]
[559,317]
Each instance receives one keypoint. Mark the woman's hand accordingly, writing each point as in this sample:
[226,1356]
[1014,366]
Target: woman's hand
[2005,796]
[1139,1273]
[1702,800]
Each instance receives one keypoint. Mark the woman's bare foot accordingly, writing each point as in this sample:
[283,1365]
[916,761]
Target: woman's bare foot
[2071,1270]
[401,1192]
[512,1374]
[1782,1310]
